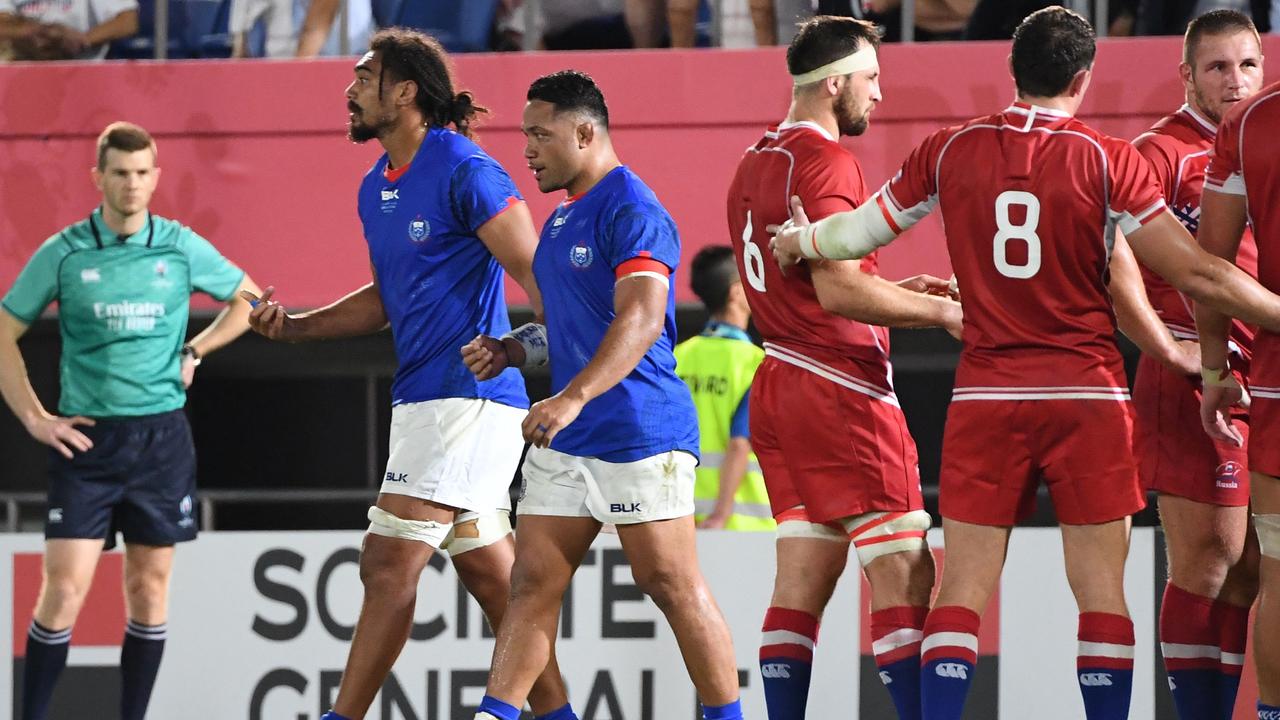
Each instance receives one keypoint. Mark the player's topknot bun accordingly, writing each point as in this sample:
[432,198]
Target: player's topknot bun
[461,110]
[413,56]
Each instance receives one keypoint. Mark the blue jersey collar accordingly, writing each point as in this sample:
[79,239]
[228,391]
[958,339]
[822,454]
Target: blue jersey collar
[715,328]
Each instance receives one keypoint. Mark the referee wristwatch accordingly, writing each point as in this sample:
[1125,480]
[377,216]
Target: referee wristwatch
[189,349]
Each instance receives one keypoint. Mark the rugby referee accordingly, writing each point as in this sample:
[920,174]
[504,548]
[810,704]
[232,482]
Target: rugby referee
[122,459]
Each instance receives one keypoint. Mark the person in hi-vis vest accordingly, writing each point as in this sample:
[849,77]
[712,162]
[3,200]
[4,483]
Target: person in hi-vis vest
[718,366]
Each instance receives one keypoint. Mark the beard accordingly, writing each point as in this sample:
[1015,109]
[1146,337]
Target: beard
[852,127]
[847,120]
[360,131]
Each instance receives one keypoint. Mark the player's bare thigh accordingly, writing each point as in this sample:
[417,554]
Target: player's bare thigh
[1204,542]
[407,507]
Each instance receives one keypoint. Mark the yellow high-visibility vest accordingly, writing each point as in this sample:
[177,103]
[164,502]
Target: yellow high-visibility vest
[718,367]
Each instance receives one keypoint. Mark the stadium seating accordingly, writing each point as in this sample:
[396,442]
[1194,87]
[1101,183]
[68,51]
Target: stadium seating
[197,29]
[459,25]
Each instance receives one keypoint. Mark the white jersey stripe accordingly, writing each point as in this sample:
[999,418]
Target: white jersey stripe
[1042,396]
[836,376]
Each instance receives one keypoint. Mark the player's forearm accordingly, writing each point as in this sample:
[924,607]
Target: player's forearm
[230,324]
[121,26]
[633,331]
[732,471]
[16,386]
[360,313]
[1229,290]
[866,298]
[1213,328]
[535,297]
[848,235]
[1135,316]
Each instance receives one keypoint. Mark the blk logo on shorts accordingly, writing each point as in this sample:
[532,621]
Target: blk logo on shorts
[55,515]
[624,507]
[396,477]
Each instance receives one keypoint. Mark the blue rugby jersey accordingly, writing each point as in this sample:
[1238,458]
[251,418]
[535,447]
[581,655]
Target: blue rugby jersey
[439,283]
[582,245]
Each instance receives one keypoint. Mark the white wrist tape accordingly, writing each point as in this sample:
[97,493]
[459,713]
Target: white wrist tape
[533,338]
[848,235]
[1218,377]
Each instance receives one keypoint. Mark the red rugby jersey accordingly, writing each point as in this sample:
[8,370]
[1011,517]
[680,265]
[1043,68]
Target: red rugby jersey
[1177,147]
[1030,199]
[802,159]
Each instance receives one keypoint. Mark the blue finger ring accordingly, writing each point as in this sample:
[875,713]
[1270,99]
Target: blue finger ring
[543,428]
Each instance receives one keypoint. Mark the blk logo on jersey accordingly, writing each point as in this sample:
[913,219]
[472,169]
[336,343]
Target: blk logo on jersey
[558,224]
[581,256]
[396,477]
[419,229]
[390,198]
[1228,475]
[90,275]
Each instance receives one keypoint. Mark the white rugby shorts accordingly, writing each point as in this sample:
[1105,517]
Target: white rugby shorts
[659,487]
[460,452]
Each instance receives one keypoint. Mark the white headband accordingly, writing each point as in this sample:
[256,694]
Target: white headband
[863,59]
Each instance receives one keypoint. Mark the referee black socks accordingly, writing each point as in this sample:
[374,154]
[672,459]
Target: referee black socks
[139,662]
[46,656]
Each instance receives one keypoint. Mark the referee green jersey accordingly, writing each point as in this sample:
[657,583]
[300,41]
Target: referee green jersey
[123,304]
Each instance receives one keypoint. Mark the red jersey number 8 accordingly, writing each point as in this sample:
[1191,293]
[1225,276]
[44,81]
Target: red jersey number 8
[1006,230]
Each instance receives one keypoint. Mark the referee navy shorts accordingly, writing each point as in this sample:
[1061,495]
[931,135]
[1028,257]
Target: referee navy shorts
[138,479]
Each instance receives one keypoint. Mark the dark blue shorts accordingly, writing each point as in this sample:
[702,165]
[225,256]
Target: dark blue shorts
[139,479]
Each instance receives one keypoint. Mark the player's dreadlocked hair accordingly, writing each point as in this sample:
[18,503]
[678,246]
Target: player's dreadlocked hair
[1049,48]
[714,272]
[571,90]
[408,55]
[1215,22]
[826,38]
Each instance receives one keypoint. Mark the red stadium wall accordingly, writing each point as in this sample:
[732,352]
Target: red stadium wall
[255,157]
